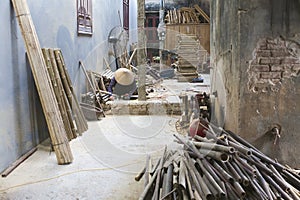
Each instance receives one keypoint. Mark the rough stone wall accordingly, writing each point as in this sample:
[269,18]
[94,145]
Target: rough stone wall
[255,75]
[145,108]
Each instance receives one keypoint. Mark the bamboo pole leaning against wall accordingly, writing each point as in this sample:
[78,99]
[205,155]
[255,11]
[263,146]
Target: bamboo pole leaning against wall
[72,115]
[43,83]
[80,120]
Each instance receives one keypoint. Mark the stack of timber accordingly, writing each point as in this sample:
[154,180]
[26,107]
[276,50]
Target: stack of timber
[72,115]
[223,167]
[42,80]
[188,50]
[186,15]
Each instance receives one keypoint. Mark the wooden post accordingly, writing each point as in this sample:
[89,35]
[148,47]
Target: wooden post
[141,47]
[43,83]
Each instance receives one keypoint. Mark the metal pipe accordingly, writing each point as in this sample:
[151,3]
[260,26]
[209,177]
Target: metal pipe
[240,148]
[214,146]
[220,156]
[189,186]
[210,187]
[194,178]
[257,163]
[169,185]
[255,151]
[203,139]
[230,193]
[147,170]
[211,179]
[261,192]
[181,178]
[140,174]
[291,179]
[158,179]
[265,185]
[204,188]
[149,186]
[226,176]
[233,172]
[277,187]
[245,180]
[245,165]
[239,189]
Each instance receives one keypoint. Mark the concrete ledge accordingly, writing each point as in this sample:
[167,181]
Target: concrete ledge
[135,107]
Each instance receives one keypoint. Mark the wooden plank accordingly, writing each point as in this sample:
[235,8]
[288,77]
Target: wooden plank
[43,83]
[204,15]
[12,167]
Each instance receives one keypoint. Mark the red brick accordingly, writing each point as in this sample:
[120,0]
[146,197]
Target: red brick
[276,80]
[279,53]
[286,74]
[296,67]
[273,46]
[290,60]
[267,61]
[263,53]
[254,62]
[270,75]
[277,68]
[260,68]
[270,41]
[263,47]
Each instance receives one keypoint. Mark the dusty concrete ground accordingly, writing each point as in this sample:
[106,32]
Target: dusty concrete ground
[106,157]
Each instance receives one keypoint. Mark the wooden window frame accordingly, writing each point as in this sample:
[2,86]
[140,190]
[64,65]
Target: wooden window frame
[84,17]
[126,14]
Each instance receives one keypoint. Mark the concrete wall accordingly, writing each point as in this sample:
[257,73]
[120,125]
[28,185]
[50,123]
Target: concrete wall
[21,119]
[255,57]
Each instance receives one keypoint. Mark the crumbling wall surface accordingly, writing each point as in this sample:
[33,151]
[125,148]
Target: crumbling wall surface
[265,79]
[225,63]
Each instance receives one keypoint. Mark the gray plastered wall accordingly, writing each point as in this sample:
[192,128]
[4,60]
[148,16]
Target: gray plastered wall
[22,121]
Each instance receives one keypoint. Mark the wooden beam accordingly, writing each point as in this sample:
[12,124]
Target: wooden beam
[43,83]
[206,17]
[12,167]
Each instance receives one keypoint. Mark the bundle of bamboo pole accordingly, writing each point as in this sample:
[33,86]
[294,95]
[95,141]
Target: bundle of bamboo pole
[73,118]
[42,80]
[224,167]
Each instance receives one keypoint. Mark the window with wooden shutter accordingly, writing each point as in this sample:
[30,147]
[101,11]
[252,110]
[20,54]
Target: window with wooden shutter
[84,17]
[126,14]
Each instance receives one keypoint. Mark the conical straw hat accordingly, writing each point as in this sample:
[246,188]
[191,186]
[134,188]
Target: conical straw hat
[124,76]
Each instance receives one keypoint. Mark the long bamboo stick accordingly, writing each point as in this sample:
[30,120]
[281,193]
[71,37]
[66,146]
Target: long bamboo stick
[43,83]
[78,115]
[59,94]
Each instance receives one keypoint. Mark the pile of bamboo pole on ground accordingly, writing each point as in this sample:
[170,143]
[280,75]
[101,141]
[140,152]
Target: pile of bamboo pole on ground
[225,167]
[186,15]
[73,118]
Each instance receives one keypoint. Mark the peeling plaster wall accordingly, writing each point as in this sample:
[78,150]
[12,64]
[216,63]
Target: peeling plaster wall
[255,51]
[21,118]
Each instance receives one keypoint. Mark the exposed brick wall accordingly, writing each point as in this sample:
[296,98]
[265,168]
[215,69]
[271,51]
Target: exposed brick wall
[273,60]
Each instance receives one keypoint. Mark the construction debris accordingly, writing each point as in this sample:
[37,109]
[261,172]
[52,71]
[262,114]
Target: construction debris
[186,15]
[219,167]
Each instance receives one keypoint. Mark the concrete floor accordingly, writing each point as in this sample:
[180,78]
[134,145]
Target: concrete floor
[106,157]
